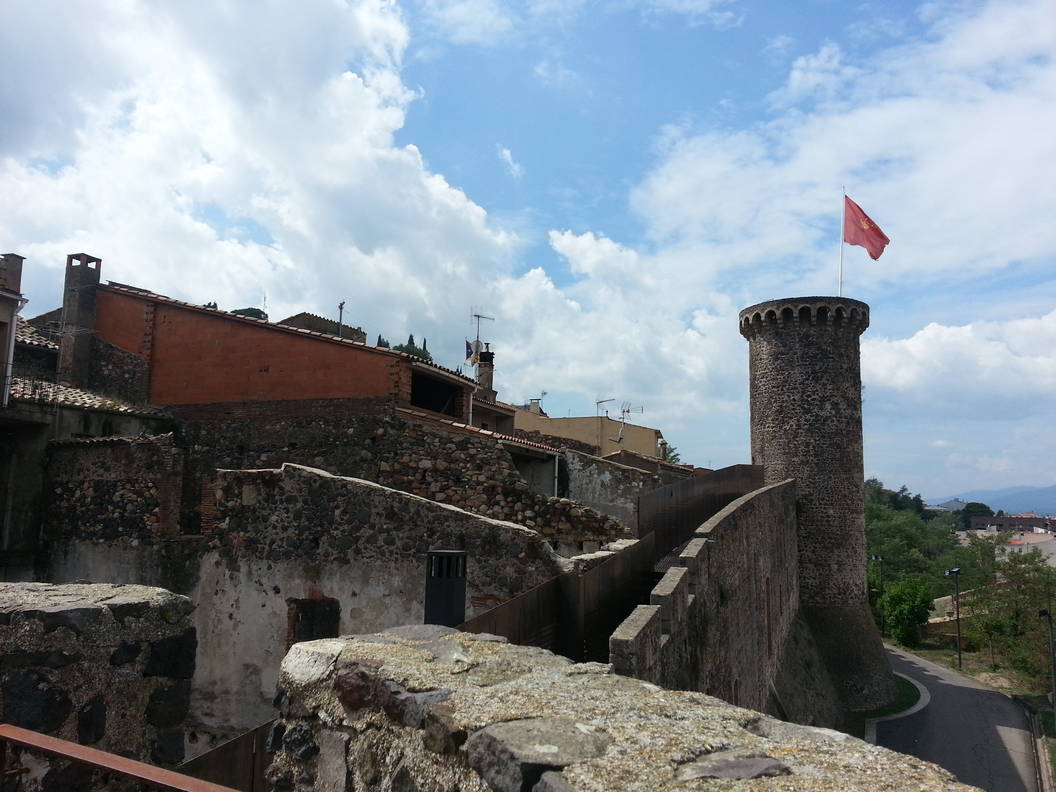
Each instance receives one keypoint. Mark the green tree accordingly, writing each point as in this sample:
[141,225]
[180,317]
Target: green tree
[971,510]
[671,454]
[382,341]
[412,348]
[906,605]
[252,313]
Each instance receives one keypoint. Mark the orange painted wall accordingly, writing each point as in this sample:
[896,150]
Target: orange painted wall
[198,358]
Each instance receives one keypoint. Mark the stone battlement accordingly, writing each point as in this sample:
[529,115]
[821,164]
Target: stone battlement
[720,619]
[836,311]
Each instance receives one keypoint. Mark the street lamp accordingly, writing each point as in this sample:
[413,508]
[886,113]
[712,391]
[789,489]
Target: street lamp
[879,559]
[1052,660]
[955,573]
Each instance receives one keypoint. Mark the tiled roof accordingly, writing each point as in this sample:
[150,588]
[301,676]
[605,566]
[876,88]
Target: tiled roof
[330,337]
[30,336]
[476,430]
[43,392]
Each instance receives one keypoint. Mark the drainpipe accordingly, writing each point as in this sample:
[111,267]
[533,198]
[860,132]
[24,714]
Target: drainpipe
[9,364]
[555,474]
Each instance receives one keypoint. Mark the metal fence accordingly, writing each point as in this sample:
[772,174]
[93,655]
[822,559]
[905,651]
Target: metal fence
[239,763]
[574,614]
[674,512]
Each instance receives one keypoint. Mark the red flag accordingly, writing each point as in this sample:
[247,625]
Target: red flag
[858,229]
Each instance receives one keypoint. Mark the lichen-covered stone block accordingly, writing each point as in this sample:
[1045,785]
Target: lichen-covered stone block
[104,665]
[634,648]
[520,719]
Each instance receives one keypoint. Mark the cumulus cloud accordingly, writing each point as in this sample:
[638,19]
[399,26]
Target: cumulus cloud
[222,155]
[1010,365]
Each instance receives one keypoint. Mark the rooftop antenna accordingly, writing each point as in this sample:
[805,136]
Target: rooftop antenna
[599,402]
[625,410]
[340,316]
[476,344]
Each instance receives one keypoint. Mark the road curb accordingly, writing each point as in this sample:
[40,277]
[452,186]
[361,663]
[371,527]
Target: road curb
[922,702]
[1042,770]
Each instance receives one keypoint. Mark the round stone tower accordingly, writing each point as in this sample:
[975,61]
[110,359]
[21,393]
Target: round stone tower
[806,418]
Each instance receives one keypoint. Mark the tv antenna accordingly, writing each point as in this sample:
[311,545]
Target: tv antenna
[625,410]
[599,402]
[476,344]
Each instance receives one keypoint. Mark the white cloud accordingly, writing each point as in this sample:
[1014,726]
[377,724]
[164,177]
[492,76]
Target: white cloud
[779,46]
[1005,366]
[200,126]
[940,444]
[469,21]
[513,167]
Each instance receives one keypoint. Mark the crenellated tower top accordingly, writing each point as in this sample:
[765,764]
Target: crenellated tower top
[802,311]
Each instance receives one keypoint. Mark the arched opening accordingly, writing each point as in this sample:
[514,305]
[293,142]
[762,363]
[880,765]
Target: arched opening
[787,314]
[823,314]
[804,315]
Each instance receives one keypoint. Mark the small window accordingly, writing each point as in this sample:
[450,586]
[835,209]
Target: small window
[311,619]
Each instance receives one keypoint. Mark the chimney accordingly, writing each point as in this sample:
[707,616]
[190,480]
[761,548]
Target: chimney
[11,302]
[78,318]
[486,374]
[11,272]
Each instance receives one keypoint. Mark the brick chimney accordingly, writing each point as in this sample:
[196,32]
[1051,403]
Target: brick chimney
[11,302]
[486,374]
[78,318]
[11,272]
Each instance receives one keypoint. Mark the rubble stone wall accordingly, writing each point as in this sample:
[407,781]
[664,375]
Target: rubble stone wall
[295,534]
[369,439]
[103,665]
[118,373]
[421,708]
[113,488]
[608,487]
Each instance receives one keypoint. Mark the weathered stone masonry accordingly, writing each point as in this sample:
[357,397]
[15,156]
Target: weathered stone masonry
[111,488]
[806,421]
[369,439]
[720,620]
[417,709]
[104,665]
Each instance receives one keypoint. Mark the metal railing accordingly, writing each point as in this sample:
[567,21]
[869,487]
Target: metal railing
[97,760]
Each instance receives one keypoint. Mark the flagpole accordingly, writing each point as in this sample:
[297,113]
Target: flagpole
[843,221]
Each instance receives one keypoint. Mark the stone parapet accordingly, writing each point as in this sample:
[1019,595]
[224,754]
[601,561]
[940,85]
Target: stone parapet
[423,708]
[718,619]
[103,665]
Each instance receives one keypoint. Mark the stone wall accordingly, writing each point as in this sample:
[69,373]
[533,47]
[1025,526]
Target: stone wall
[284,539]
[718,621]
[369,439]
[118,373]
[606,486]
[113,488]
[423,709]
[103,665]
[806,415]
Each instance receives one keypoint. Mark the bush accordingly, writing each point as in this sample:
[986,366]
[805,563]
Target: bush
[906,605]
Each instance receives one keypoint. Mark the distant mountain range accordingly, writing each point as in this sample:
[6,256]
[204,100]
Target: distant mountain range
[1041,500]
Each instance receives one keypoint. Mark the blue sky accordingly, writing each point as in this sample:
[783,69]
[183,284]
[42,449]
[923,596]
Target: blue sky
[611,181]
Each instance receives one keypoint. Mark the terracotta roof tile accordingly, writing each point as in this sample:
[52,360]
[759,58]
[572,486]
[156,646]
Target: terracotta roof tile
[31,336]
[43,392]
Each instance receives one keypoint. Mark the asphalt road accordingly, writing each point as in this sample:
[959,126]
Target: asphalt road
[979,734]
